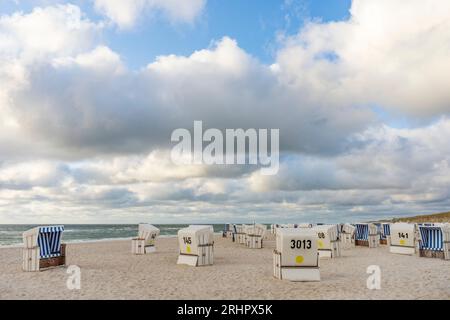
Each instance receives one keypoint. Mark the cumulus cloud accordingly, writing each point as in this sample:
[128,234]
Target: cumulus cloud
[45,33]
[107,108]
[126,13]
[387,53]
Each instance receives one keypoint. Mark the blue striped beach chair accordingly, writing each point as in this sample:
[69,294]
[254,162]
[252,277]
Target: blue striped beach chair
[43,248]
[385,233]
[434,241]
[366,235]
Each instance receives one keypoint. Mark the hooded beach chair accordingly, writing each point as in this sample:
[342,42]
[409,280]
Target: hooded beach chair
[367,235]
[43,248]
[403,238]
[240,233]
[348,236]
[255,235]
[228,230]
[196,245]
[145,242]
[434,241]
[385,235]
[328,243]
[296,257]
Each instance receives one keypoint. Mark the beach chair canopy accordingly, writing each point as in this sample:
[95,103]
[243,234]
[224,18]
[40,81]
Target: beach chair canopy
[348,228]
[386,231]
[364,230]
[201,226]
[431,238]
[256,229]
[148,231]
[47,238]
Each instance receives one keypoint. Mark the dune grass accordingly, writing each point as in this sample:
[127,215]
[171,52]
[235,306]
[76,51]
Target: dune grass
[437,217]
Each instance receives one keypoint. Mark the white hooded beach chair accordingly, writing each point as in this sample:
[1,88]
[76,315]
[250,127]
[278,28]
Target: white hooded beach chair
[145,242]
[403,238]
[240,233]
[255,235]
[328,242]
[434,241]
[196,245]
[43,248]
[296,257]
[348,236]
[367,235]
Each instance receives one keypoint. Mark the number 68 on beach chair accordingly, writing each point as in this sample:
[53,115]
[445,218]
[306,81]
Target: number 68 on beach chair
[43,248]
[296,257]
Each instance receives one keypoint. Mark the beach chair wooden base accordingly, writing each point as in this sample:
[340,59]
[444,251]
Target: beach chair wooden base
[33,263]
[325,254]
[431,254]
[362,243]
[383,241]
[188,260]
[296,274]
[372,242]
[300,274]
[402,250]
[150,249]
[205,257]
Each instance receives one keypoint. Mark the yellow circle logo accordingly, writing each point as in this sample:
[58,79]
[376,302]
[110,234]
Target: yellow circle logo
[320,243]
[188,249]
[402,242]
[299,259]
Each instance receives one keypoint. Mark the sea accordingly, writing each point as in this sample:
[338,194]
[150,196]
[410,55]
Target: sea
[11,234]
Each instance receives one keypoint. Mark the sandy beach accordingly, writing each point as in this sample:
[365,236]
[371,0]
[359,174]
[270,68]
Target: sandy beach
[110,271]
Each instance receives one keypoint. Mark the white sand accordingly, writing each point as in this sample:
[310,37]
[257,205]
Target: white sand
[110,271]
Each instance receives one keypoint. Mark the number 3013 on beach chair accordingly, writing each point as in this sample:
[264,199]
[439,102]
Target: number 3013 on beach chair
[296,257]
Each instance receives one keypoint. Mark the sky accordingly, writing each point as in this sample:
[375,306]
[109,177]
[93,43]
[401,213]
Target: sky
[91,90]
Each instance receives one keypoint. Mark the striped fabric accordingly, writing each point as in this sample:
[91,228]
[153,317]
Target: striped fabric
[49,241]
[431,238]
[386,232]
[362,232]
